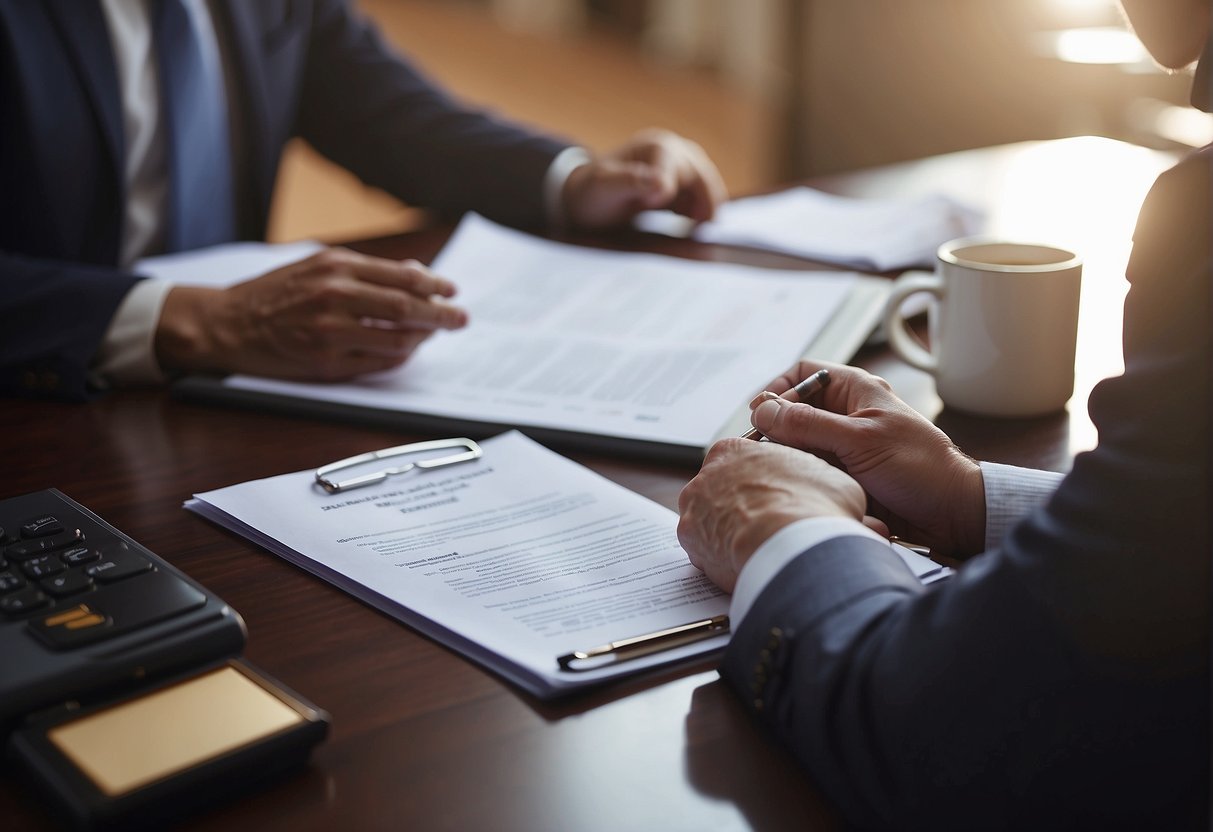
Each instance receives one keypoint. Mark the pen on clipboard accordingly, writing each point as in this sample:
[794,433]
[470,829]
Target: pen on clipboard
[647,644]
[799,393]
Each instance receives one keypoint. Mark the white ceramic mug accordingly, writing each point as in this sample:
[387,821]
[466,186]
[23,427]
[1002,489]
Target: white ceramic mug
[1002,326]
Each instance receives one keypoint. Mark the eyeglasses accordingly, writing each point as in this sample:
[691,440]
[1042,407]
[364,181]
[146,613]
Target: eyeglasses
[470,451]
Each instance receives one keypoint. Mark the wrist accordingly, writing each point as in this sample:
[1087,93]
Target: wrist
[761,528]
[556,184]
[754,533]
[969,519]
[185,338]
[572,194]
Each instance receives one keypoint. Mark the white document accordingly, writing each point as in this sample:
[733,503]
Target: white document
[223,265]
[870,234]
[616,344]
[512,559]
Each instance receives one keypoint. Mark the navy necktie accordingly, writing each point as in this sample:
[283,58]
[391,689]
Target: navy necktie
[201,202]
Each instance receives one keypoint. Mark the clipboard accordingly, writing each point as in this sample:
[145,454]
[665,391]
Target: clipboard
[503,551]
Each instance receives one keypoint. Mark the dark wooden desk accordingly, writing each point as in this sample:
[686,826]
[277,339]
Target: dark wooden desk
[425,740]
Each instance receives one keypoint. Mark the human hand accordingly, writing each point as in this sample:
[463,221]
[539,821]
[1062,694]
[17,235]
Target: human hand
[333,316]
[745,492]
[654,169]
[918,482]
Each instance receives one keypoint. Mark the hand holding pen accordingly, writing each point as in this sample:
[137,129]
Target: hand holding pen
[799,393]
[918,482]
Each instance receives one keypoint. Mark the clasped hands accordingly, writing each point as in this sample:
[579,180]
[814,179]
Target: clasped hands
[339,314]
[858,451]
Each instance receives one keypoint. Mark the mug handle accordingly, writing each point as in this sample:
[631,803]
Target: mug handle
[902,342]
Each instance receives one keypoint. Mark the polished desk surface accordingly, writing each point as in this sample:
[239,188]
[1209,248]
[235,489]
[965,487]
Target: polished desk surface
[423,739]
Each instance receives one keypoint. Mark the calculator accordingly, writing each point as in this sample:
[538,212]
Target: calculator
[85,611]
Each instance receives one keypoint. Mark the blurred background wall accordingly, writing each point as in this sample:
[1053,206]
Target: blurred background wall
[773,89]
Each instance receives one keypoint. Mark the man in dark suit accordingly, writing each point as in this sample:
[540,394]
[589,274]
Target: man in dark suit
[136,127]
[1061,678]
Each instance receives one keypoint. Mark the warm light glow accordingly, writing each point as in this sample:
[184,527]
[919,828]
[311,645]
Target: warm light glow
[1098,210]
[1099,45]
[1083,194]
[1185,125]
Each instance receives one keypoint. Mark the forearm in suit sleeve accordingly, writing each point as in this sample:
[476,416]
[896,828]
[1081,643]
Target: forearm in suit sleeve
[964,706]
[1061,681]
[368,109]
[54,318]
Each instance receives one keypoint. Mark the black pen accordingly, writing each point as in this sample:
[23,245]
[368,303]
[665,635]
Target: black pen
[799,393]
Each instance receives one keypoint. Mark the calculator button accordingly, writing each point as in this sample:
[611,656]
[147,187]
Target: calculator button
[116,609]
[19,603]
[33,548]
[72,626]
[79,555]
[69,583]
[10,580]
[118,565]
[43,567]
[43,526]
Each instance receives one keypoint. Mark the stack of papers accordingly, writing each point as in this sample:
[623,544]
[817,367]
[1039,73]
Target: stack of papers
[608,349]
[869,234]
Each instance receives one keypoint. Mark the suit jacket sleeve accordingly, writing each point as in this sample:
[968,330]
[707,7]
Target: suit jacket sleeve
[55,315]
[368,109]
[1061,680]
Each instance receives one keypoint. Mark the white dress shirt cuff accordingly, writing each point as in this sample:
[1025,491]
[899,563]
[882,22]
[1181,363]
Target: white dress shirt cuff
[779,550]
[566,161]
[1011,493]
[127,356]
